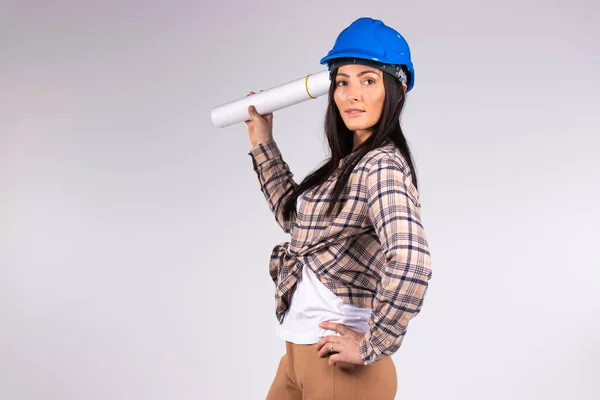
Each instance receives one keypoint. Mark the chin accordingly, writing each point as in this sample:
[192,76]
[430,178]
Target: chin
[358,127]
[352,125]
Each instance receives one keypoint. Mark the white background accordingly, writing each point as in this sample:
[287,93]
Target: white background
[134,239]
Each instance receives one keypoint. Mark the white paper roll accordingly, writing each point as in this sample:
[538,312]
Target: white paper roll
[294,92]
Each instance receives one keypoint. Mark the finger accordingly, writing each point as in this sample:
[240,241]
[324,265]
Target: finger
[334,359]
[325,342]
[334,326]
[326,349]
[251,115]
[320,343]
[333,339]
[327,339]
[254,115]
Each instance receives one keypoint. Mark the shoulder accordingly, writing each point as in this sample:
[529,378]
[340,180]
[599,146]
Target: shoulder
[387,156]
[386,169]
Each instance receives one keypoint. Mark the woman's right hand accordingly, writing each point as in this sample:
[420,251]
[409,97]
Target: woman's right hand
[260,127]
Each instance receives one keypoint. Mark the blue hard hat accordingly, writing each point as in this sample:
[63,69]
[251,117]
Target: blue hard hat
[371,39]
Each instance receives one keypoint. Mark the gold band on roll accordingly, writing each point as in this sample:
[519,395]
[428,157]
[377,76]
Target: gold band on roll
[306,87]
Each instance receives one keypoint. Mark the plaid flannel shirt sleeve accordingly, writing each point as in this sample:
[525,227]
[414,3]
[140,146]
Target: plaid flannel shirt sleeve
[276,180]
[394,210]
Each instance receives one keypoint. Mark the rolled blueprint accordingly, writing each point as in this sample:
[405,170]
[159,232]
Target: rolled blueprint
[276,98]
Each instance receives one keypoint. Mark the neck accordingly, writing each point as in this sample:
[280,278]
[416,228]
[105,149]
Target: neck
[359,136]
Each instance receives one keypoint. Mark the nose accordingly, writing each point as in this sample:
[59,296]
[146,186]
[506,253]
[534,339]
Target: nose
[352,92]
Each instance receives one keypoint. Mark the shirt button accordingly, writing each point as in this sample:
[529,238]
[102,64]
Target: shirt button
[388,342]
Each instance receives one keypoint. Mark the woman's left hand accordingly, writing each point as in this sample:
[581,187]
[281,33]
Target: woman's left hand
[346,348]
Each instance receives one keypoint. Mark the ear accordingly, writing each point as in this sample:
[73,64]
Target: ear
[405,87]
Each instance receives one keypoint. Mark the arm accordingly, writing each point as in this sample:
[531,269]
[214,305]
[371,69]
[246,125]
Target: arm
[395,213]
[276,180]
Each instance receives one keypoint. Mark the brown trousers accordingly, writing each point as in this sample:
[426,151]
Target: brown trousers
[303,375]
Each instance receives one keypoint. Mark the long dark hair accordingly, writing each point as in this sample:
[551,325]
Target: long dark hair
[340,140]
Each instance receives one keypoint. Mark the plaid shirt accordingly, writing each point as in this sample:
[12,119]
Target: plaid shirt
[372,254]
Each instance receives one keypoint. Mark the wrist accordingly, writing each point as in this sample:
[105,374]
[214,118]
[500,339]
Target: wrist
[256,143]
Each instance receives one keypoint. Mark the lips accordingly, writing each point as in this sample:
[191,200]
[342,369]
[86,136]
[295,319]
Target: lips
[354,112]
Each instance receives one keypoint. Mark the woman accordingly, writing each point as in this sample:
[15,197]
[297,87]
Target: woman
[357,267]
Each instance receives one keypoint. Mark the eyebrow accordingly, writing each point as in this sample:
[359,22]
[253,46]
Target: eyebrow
[359,74]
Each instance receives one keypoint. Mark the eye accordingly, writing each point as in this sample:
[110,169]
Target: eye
[369,81]
[341,83]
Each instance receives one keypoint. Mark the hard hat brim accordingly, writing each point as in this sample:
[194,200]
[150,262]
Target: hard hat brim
[358,53]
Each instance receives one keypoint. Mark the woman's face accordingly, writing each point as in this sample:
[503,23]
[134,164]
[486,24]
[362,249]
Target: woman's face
[359,96]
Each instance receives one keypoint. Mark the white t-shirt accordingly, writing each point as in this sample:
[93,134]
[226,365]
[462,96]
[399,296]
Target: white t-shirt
[311,304]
